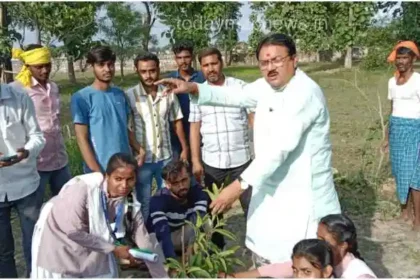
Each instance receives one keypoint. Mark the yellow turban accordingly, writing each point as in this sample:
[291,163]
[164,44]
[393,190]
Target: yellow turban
[32,57]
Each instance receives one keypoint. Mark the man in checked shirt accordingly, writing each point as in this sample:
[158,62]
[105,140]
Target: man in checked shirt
[226,148]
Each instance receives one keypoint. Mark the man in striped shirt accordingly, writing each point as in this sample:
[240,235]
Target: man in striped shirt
[172,206]
[152,113]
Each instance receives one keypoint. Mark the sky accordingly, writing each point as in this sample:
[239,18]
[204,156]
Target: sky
[158,27]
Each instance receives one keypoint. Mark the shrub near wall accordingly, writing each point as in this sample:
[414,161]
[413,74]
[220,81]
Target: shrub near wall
[375,59]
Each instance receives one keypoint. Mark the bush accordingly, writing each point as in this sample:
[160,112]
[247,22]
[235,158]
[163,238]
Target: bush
[375,59]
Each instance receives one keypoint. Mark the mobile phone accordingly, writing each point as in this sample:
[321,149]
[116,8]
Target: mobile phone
[8,158]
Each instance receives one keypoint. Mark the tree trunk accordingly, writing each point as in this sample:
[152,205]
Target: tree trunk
[229,62]
[226,56]
[81,69]
[122,68]
[7,75]
[149,22]
[348,59]
[70,69]
[38,35]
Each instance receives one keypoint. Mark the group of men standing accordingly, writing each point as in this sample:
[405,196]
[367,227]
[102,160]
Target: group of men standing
[108,120]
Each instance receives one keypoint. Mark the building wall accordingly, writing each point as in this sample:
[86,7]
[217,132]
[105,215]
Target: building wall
[167,62]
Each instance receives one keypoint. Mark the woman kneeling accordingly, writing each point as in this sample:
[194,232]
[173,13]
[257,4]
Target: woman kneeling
[79,231]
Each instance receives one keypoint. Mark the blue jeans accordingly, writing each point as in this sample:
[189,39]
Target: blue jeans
[28,209]
[145,176]
[56,178]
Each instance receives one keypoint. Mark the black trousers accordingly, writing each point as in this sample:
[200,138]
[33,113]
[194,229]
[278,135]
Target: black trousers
[219,176]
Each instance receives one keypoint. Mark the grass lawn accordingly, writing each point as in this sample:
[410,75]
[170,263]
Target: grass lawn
[354,98]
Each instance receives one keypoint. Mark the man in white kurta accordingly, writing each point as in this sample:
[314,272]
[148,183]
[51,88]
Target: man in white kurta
[291,174]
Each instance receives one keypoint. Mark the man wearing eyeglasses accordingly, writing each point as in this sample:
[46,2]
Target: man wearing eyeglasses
[291,175]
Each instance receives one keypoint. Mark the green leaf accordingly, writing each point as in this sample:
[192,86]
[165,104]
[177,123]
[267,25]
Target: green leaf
[198,272]
[226,253]
[238,262]
[226,233]
[173,263]
[223,262]
[202,246]
[216,190]
[211,194]
[199,259]
[209,263]
[192,260]
[195,246]
[199,222]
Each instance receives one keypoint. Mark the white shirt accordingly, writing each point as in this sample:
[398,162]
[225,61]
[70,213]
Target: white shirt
[18,129]
[291,174]
[151,121]
[406,97]
[224,131]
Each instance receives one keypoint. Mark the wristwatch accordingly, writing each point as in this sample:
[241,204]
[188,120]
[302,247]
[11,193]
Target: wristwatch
[244,184]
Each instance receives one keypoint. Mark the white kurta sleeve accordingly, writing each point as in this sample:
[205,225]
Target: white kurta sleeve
[297,113]
[222,95]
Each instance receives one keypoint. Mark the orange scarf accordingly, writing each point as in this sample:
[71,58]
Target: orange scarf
[407,44]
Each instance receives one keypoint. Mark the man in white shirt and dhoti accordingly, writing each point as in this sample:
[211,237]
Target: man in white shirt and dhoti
[291,174]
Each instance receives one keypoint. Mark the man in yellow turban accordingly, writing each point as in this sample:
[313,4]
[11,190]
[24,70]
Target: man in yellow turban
[36,61]
[404,130]
[52,162]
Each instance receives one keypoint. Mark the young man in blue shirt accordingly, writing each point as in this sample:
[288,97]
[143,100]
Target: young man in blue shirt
[172,206]
[184,55]
[101,115]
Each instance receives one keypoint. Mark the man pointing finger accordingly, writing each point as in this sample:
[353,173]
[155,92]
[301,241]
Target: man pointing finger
[291,174]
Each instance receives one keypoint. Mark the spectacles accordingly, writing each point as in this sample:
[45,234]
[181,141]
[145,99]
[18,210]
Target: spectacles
[278,61]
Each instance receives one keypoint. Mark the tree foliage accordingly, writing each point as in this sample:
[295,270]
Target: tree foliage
[56,21]
[122,30]
[351,22]
[77,39]
[186,21]
[317,26]
[149,20]
[32,15]
[200,22]
[255,18]
[380,40]
[7,37]
[227,28]
[408,16]
[307,22]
